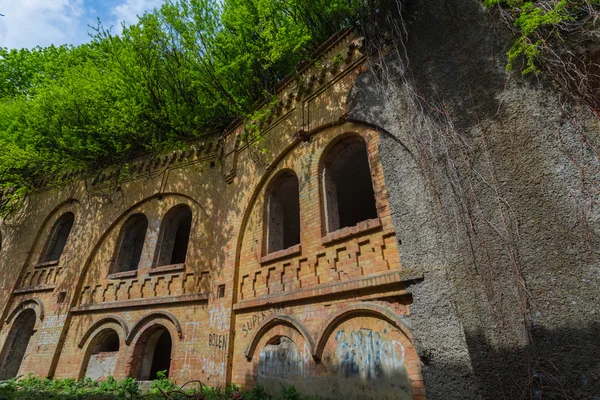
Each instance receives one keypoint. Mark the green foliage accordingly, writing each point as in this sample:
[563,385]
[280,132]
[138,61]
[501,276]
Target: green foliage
[162,382]
[290,393]
[185,70]
[35,388]
[539,23]
[256,393]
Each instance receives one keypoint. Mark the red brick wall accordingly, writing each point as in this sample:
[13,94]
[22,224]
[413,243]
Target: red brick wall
[318,298]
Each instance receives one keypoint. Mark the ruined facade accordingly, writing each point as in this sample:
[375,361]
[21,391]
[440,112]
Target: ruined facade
[222,262]
[330,252]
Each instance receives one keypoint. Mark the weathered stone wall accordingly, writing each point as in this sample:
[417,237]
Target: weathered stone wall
[493,185]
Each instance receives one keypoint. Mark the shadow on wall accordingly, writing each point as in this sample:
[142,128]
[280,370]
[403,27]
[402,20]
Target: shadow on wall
[555,367]
[493,188]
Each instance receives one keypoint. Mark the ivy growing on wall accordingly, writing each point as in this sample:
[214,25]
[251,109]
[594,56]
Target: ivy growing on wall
[559,38]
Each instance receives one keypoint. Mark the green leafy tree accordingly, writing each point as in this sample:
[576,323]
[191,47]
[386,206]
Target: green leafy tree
[185,70]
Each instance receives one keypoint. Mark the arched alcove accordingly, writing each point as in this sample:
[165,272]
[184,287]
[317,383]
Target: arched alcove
[58,238]
[283,213]
[347,184]
[16,344]
[152,353]
[131,244]
[175,236]
[101,357]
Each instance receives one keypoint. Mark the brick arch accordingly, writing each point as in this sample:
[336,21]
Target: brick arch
[272,321]
[144,342]
[169,224]
[152,319]
[91,338]
[357,309]
[70,205]
[347,127]
[271,188]
[35,304]
[277,164]
[99,325]
[122,217]
[45,230]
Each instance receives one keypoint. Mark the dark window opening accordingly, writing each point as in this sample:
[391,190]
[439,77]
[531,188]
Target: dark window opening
[58,237]
[221,291]
[348,187]
[176,229]
[61,297]
[16,344]
[283,215]
[109,343]
[133,236]
[155,352]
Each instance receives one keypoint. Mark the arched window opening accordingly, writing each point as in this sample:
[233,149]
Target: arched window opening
[16,344]
[153,353]
[103,353]
[58,238]
[176,229]
[283,213]
[133,235]
[348,188]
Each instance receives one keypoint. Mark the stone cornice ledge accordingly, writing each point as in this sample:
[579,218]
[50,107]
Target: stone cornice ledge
[39,288]
[170,300]
[330,289]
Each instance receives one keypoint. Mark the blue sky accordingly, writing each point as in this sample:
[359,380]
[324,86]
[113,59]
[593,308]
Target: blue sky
[30,23]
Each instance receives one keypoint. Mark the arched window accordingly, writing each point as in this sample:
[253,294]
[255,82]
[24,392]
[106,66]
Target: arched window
[347,185]
[102,358]
[58,238]
[152,354]
[175,236]
[283,213]
[16,344]
[133,235]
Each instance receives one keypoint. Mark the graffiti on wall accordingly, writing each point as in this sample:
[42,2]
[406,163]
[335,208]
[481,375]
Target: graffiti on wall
[190,333]
[194,334]
[218,341]
[256,318]
[364,358]
[364,352]
[212,365]
[51,329]
[283,359]
[219,317]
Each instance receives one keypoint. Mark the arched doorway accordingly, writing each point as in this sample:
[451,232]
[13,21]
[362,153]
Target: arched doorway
[152,354]
[102,355]
[16,344]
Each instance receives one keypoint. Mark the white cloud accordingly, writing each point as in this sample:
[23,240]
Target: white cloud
[29,23]
[128,11]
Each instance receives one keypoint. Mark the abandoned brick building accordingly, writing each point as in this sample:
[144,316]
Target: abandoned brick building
[331,261]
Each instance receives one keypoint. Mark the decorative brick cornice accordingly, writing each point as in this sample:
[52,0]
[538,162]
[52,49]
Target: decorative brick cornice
[136,303]
[381,280]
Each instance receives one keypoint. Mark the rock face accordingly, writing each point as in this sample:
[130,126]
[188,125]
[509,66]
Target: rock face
[493,185]
[411,223]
